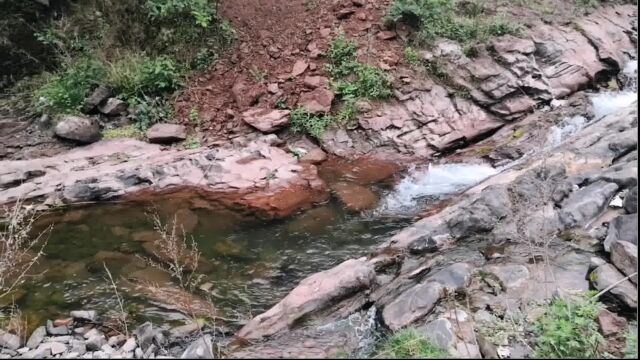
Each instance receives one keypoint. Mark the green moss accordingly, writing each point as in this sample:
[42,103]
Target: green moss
[410,344]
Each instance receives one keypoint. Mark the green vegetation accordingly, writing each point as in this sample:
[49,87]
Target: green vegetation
[569,329]
[150,111]
[466,22]
[631,351]
[129,131]
[412,57]
[192,143]
[302,121]
[65,92]
[410,344]
[136,75]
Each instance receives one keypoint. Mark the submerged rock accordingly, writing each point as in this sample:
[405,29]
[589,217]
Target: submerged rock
[355,197]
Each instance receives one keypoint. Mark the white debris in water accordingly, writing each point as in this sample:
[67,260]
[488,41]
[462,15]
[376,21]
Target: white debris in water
[567,127]
[435,181]
[631,69]
[610,102]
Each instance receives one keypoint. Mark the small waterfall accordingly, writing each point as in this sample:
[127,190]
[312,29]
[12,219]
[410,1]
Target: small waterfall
[433,182]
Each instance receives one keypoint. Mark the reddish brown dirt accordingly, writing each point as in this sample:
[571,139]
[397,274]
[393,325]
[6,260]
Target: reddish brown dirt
[271,36]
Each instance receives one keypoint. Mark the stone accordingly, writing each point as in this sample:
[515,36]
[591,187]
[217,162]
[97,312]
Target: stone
[606,275]
[245,94]
[273,88]
[79,129]
[344,13]
[199,349]
[317,101]
[386,35]
[440,332]
[9,341]
[63,322]
[299,67]
[313,82]
[510,275]
[166,133]
[56,330]
[57,348]
[622,228]
[87,315]
[624,255]
[185,330]
[107,349]
[266,120]
[610,323]
[65,339]
[630,203]
[94,343]
[413,304]
[78,346]
[465,350]
[39,353]
[91,333]
[314,293]
[355,197]
[454,277]
[36,337]
[129,345]
[116,340]
[113,107]
[587,203]
[97,97]
[144,335]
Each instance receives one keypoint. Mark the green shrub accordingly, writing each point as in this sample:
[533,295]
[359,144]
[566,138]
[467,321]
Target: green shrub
[201,10]
[569,329]
[150,111]
[136,75]
[342,50]
[464,22]
[129,131]
[631,351]
[410,344]
[302,121]
[411,56]
[65,91]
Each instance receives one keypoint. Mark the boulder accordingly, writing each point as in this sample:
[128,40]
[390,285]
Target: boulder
[199,349]
[624,255]
[79,129]
[587,203]
[166,133]
[606,275]
[630,203]
[413,304]
[97,97]
[317,101]
[9,341]
[610,323]
[266,120]
[622,228]
[36,337]
[314,293]
[113,107]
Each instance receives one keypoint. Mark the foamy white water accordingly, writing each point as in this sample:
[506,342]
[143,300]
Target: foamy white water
[434,181]
[567,127]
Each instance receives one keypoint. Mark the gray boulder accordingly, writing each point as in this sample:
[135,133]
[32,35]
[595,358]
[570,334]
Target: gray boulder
[622,228]
[630,203]
[79,129]
[113,107]
[411,305]
[606,275]
[36,337]
[166,133]
[587,203]
[9,341]
[199,349]
[97,97]
[624,255]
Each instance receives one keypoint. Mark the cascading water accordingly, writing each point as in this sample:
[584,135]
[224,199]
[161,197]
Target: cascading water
[435,181]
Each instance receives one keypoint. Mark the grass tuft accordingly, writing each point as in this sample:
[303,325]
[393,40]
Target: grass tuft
[410,344]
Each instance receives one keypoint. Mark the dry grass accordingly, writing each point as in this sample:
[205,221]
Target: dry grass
[19,249]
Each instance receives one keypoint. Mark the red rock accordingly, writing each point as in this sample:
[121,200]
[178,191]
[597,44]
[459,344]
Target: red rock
[299,67]
[386,35]
[610,323]
[355,197]
[266,120]
[314,156]
[244,94]
[166,133]
[317,101]
[325,32]
[344,13]
[313,82]
[273,88]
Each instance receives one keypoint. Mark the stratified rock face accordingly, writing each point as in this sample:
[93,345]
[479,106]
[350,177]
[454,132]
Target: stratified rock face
[266,120]
[314,293]
[79,129]
[501,85]
[258,175]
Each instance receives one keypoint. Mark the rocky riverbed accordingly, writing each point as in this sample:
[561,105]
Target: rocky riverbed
[530,194]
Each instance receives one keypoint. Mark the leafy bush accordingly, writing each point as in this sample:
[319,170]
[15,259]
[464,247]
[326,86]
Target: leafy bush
[303,121]
[464,22]
[150,111]
[569,329]
[65,91]
[129,131]
[135,75]
[342,51]
[410,344]
[411,56]
[201,10]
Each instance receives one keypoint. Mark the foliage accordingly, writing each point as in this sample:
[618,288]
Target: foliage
[631,351]
[65,91]
[342,51]
[569,329]
[303,121]
[410,344]
[348,112]
[465,22]
[149,111]
[201,10]
[411,56]
[192,143]
[129,131]
[135,75]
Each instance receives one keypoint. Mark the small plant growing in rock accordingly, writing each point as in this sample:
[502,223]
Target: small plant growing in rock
[569,329]
[129,131]
[149,111]
[411,56]
[192,143]
[410,344]
[303,121]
